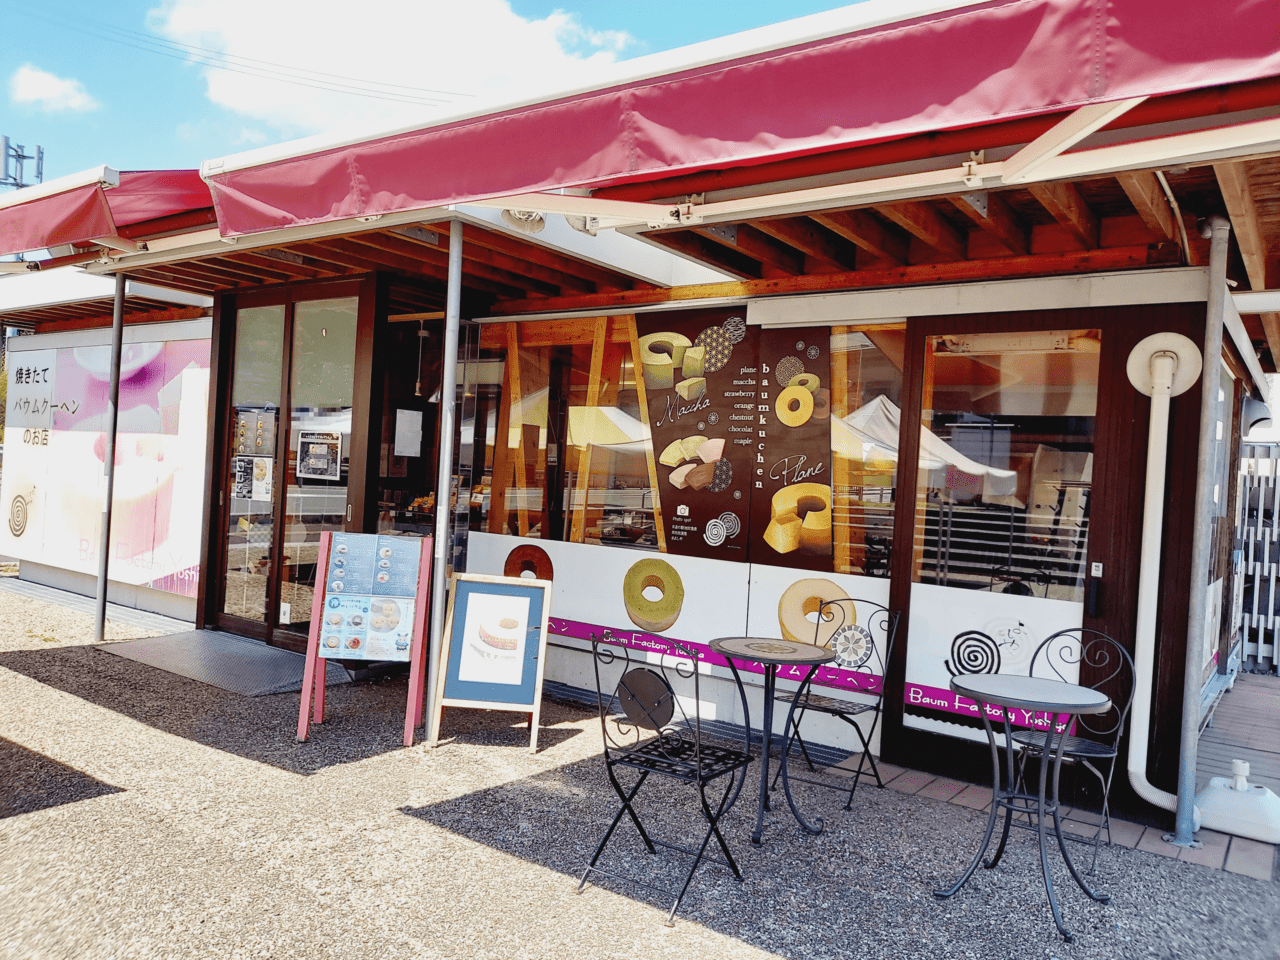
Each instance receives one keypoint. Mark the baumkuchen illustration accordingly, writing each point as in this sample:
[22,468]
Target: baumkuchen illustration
[660,354]
[802,600]
[794,406]
[800,515]
[809,381]
[528,558]
[652,615]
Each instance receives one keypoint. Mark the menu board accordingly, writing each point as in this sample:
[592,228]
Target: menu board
[319,455]
[791,508]
[255,432]
[701,378]
[369,597]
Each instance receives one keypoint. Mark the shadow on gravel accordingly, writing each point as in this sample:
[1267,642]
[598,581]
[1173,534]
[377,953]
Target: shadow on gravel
[862,888]
[30,781]
[361,720]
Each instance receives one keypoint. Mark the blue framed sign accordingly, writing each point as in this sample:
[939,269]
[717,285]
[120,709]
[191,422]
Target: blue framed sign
[494,648]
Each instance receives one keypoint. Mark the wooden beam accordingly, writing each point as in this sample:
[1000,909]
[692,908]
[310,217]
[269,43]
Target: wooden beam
[744,238]
[1271,327]
[1069,208]
[293,270]
[578,527]
[534,253]
[1233,181]
[411,257]
[993,215]
[861,228]
[104,320]
[923,220]
[1147,196]
[642,397]
[1055,264]
[705,251]
[813,240]
[520,266]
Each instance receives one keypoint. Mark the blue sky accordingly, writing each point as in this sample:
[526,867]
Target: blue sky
[109,84]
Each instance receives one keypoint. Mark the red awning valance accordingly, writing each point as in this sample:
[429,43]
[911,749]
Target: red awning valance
[963,67]
[94,206]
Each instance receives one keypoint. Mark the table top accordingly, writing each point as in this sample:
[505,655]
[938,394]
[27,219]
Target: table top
[1031,693]
[771,650]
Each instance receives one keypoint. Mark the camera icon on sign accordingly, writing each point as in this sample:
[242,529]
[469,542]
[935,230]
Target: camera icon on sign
[682,510]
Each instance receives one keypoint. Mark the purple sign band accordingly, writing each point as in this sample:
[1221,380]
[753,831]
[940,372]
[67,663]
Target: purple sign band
[918,695]
[639,640]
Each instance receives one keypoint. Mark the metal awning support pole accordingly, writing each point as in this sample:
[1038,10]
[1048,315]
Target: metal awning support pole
[1219,231]
[109,464]
[443,547]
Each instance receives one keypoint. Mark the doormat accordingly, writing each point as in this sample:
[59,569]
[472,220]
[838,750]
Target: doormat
[222,660]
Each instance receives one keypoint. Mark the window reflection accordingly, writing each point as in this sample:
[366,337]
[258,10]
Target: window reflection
[1006,461]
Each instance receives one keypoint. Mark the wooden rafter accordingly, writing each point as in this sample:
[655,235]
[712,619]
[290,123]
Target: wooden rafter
[861,228]
[414,258]
[812,240]
[1145,193]
[1054,264]
[922,220]
[992,214]
[1065,203]
[1233,180]
[603,278]
[419,243]
[704,250]
[746,239]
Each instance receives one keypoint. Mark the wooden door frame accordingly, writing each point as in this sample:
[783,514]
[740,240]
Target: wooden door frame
[370,293]
[1120,431]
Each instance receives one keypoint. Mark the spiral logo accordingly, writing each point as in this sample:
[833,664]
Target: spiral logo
[714,533]
[973,652]
[18,516]
[732,525]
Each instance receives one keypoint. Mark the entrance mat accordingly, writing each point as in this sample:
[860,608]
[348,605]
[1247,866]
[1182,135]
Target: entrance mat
[223,660]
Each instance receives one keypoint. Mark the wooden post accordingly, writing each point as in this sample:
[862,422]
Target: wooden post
[314,673]
[637,371]
[418,665]
[584,457]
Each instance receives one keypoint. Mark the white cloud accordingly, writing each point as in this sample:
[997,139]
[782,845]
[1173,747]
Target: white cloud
[51,93]
[480,48]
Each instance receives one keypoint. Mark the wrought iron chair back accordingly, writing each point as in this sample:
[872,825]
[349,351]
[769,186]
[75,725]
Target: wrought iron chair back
[861,633]
[1093,659]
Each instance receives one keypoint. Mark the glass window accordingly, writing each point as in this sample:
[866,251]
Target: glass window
[255,398]
[866,391]
[321,381]
[1006,461]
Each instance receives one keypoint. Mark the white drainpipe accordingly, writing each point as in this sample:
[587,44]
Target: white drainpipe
[1161,366]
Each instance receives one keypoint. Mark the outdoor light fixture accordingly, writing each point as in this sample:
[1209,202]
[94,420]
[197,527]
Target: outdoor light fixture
[526,221]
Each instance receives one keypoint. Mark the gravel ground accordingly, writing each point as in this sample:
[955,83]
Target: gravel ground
[145,815]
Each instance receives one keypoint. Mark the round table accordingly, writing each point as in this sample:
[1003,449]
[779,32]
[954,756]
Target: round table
[1060,700]
[772,653]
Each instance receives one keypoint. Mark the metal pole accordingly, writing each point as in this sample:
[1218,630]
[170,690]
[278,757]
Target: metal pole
[443,547]
[109,464]
[1219,230]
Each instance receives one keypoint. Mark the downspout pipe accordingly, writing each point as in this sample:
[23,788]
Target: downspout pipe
[443,547]
[109,465]
[1218,231]
[1161,368]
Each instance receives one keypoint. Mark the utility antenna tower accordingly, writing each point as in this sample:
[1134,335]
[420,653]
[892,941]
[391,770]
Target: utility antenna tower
[11,174]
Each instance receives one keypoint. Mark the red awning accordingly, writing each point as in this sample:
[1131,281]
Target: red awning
[968,66]
[86,210]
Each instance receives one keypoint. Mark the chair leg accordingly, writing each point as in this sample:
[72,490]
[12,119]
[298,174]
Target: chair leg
[624,808]
[1105,823]
[713,829]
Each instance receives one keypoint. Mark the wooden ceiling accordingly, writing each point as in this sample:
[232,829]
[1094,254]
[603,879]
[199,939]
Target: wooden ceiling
[83,314]
[495,266]
[1251,194]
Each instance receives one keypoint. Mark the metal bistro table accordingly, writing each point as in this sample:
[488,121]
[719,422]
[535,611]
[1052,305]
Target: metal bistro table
[1036,694]
[772,653]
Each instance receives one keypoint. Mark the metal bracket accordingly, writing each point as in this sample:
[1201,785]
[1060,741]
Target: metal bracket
[971,177]
[728,232]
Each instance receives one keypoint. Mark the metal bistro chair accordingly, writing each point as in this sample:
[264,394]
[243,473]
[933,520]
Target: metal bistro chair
[1102,664]
[863,650]
[648,731]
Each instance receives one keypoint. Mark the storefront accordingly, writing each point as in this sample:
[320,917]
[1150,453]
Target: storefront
[911,385]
